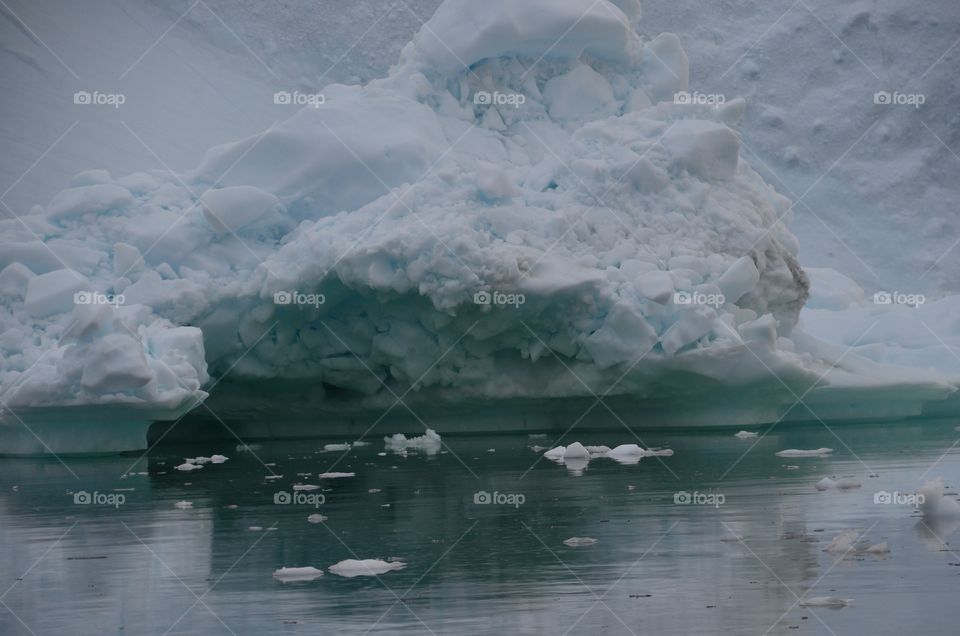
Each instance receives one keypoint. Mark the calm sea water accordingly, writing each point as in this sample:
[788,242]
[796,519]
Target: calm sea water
[740,564]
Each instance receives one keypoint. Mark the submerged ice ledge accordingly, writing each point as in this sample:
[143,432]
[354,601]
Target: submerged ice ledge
[432,232]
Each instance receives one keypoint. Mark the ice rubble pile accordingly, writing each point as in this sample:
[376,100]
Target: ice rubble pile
[521,184]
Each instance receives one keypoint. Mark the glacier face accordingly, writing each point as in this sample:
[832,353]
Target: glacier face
[522,209]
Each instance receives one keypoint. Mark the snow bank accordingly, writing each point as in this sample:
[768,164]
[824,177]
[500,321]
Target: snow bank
[520,197]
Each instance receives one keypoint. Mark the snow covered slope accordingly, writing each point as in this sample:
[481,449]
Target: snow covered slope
[522,209]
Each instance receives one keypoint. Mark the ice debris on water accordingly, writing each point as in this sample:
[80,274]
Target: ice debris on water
[317,518]
[826,601]
[579,542]
[745,434]
[576,456]
[793,452]
[350,568]
[297,574]
[187,466]
[335,475]
[428,443]
[935,504]
[838,483]
[183,505]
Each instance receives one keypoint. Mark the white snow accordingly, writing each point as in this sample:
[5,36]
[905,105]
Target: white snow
[350,568]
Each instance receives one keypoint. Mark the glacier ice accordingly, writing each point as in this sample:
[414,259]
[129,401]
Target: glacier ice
[519,210]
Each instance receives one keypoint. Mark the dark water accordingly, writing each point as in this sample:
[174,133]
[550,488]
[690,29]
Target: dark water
[658,567]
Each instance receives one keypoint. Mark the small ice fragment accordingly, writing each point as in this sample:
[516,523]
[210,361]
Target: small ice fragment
[934,504]
[746,434]
[247,448]
[188,467]
[231,506]
[335,475]
[597,451]
[336,447]
[297,574]
[792,467]
[556,453]
[826,601]
[317,518]
[306,487]
[843,542]
[365,567]
[373,490]
[218,459]
[429,442]
[491,450]
[255,528]
[271,477]
[878,548]
[842,483]
[183,505]
[579,542]
[198,460]
[536,449]
[793,452]
[359,443]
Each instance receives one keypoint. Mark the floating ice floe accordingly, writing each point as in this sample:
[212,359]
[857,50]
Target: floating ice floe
[350,568]
[579,542]
[335,475]
[826,601]
[878,548]
[429,443]
[273,477]
[838,483]
[218,459]
[297,574]
[337,447]
[187,466]
[183,504]
[843,542]
[793,452]
[576,456]
[745,434]
[306,487]
[317,518]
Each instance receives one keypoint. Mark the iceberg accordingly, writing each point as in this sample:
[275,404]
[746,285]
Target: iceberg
[521,210]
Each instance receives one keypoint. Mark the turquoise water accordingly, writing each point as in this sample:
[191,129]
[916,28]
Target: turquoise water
[658,567]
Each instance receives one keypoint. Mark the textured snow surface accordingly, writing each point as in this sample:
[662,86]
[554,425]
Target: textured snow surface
[502,216]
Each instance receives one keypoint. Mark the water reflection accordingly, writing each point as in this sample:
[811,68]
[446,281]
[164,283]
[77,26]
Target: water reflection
[476,563]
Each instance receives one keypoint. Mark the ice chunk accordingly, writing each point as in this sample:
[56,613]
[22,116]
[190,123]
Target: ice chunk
[579,94]
[745,434]
[878,548]
[794,452]
[14,280]
[187,467]
[842,483]
[576,451]
[183,505]
[350,568]
[297,574]
[233,208]
[308,487]
[429,443]
[826,601]
[336,447]
[579,542]
[706,149]
[74,202]
[117,363]
[335,475]
[740,278]
[935,504]
[843,542]
[316,518]
[53,292]
[218,459]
